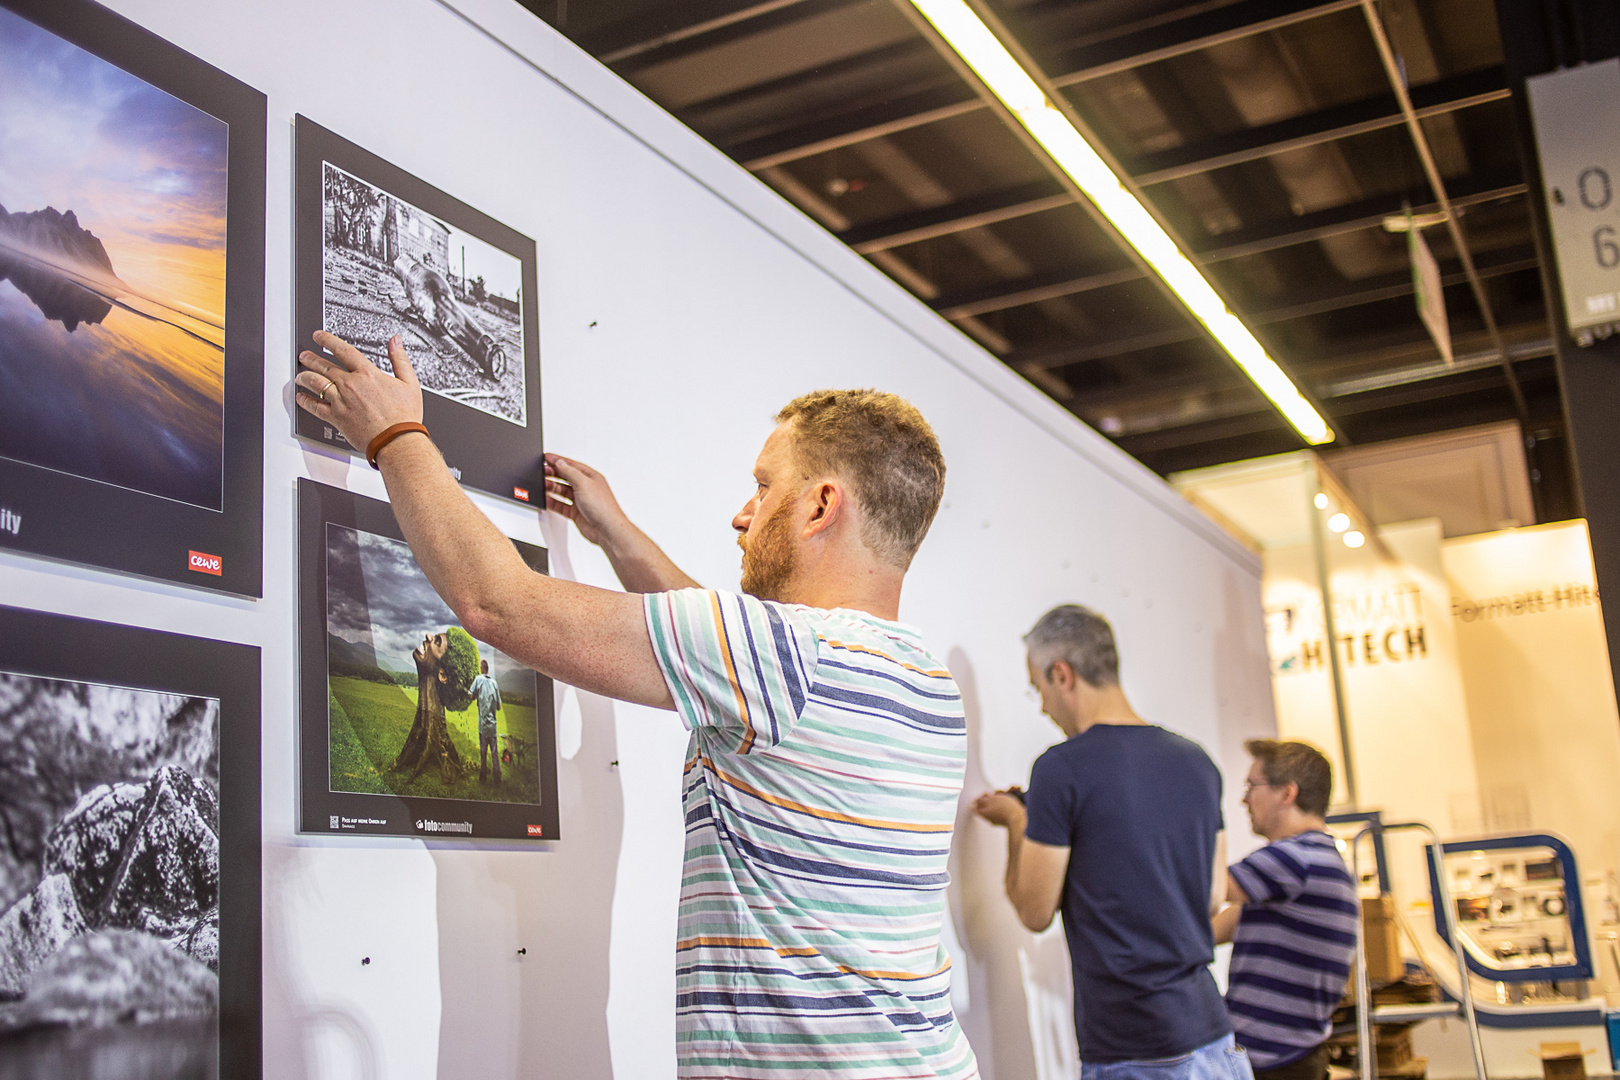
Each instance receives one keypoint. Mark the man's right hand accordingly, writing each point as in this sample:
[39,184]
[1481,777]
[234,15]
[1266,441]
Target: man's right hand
[1001,808]
[579,493]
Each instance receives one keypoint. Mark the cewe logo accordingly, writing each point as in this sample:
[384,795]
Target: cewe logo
[204,563]
[535,830]
[520,493]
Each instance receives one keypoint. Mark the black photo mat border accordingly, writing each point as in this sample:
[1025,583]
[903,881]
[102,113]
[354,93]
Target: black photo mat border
[319,506]
[484,451]
[70,649]
[80,520]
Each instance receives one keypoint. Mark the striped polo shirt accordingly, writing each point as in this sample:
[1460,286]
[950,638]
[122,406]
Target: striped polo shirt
[1293,948]
[820,793]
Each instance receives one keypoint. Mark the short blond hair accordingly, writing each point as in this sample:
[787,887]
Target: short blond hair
[883,448]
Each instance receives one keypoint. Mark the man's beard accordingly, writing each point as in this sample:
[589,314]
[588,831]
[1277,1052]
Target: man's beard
[770,558]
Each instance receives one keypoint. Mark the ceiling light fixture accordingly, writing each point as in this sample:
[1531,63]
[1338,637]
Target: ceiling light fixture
[1007,79]
[1339,522]
[1321,500]
[1354,539]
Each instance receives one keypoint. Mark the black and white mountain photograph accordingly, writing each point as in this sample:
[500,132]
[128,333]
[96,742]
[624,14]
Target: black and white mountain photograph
[457,301]
[109,880]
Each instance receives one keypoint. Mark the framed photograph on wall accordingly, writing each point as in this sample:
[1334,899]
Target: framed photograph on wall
[409,726]
[380,252]
[131,301]
[129,857]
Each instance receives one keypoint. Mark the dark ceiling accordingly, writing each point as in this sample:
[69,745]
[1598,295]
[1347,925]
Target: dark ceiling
[1265,134]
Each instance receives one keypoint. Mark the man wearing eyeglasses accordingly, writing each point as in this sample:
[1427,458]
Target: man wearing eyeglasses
[1293,916]
[1122,832]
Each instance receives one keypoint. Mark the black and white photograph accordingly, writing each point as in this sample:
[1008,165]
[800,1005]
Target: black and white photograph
[389,267]
[131,348]
[410,725]
[114,918]
[381,252]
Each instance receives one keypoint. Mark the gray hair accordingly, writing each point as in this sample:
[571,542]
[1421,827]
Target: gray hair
[1079,637]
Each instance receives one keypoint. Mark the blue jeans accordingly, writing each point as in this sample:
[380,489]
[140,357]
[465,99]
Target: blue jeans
[1222,1059]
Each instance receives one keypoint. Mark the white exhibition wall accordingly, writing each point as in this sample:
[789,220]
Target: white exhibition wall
[682,302]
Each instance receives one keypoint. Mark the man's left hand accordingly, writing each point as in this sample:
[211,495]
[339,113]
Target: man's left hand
[353,394]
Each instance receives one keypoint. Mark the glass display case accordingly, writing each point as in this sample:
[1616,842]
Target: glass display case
[1519,911]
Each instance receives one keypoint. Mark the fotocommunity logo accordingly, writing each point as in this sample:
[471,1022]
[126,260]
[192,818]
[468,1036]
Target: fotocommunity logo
[424,825]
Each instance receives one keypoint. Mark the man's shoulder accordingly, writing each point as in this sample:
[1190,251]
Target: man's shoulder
[862,639]
[1310,856]
[1319,852]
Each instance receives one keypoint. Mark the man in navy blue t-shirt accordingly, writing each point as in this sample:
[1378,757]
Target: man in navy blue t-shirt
[1121,831]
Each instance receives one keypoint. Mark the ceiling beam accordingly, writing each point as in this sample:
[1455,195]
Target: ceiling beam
[1474,190]
[1388,287]
[629,38]
[1328,125]
[1032,290]
[1040,196]
[1498,264]
[1052,285]
[1192,34]
[859,125]
[1532,344]
[1454,404]
[1081,64]
[970,213]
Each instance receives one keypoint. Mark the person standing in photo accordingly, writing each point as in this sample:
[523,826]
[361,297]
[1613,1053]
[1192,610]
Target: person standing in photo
[488,695]
[1121,830]
[828,743]
[1293,917]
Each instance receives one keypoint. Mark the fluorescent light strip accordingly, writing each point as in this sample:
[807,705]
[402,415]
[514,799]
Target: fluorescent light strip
[965,32]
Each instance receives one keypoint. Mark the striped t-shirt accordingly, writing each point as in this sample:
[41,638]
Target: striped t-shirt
[821,786]
[1293,948]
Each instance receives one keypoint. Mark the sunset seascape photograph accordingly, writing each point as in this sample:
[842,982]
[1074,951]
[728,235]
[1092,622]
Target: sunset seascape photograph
[113,201]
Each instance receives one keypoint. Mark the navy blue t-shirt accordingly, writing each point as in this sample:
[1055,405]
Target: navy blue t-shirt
[1138,807]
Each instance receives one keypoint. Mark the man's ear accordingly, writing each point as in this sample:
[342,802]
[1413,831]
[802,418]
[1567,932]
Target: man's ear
[1063,676]
[444,676]
[826,506]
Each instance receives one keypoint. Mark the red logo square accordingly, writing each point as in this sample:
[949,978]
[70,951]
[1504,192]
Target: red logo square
[534,830]
[203,563]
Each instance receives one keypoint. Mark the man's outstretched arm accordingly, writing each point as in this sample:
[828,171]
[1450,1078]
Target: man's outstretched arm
[1036,872]
[590,638]
[579,493]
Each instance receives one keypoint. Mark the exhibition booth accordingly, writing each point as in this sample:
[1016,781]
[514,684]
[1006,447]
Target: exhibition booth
[1462,682]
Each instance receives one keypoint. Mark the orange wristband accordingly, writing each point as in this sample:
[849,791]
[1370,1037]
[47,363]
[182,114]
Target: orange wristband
[388,435]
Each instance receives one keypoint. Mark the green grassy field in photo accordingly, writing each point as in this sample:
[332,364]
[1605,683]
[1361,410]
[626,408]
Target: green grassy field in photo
[368,725]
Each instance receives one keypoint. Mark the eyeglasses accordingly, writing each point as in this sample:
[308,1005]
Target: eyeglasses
[1250,785]
[1032,694]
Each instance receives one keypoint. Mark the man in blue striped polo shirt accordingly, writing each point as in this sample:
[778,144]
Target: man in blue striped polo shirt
[1293,916]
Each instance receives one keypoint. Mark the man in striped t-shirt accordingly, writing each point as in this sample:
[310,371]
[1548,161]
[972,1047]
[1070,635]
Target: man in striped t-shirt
[1293,918]
[827,753]
[828,743]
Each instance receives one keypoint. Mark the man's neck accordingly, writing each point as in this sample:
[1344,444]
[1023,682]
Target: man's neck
[1110,708]
[873,590]
[1297,824]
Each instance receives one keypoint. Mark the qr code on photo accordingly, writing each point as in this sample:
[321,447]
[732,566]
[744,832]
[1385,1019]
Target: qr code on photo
[333,821]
